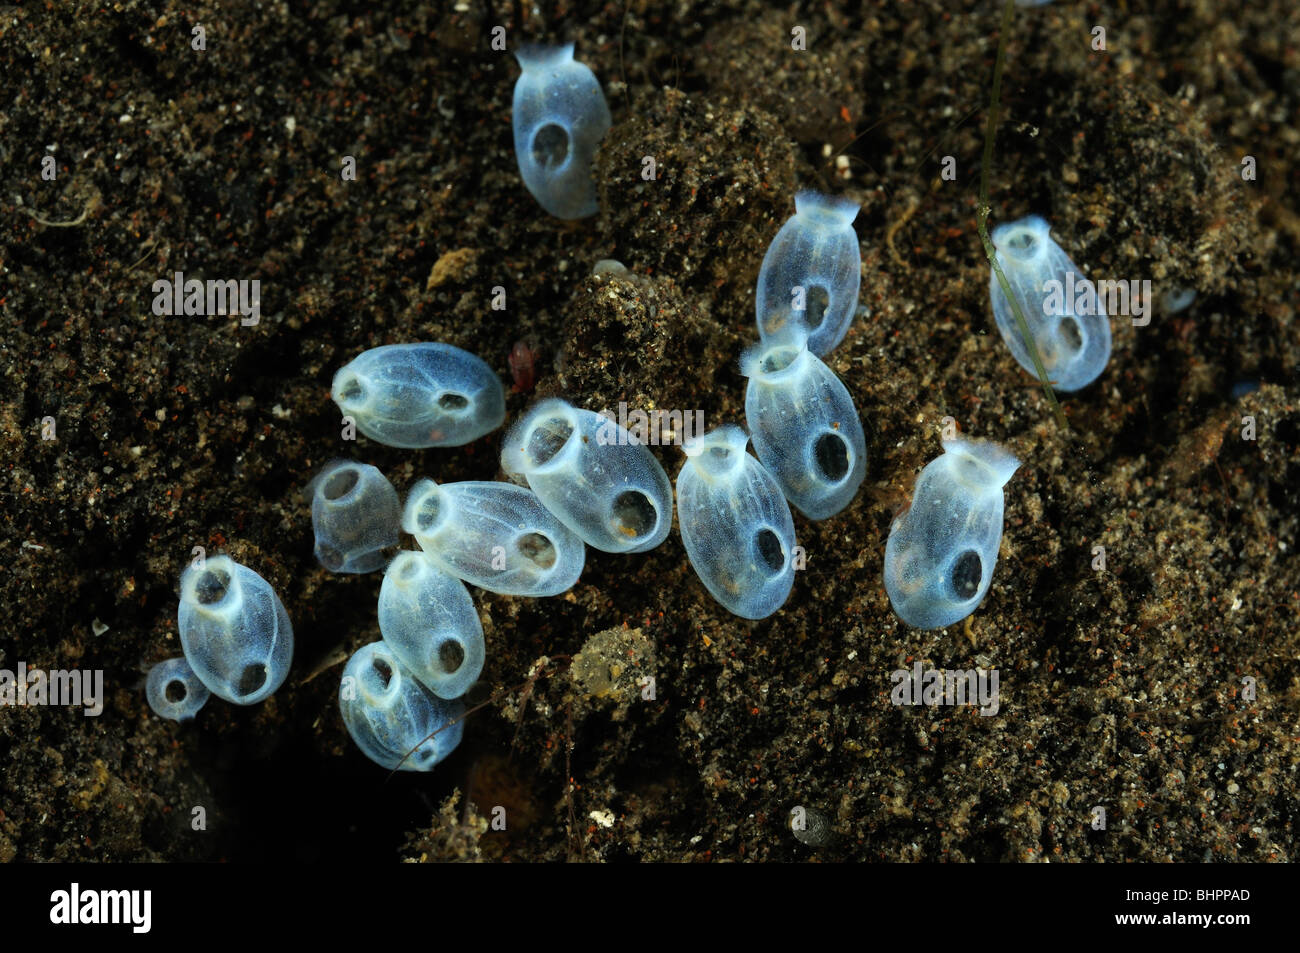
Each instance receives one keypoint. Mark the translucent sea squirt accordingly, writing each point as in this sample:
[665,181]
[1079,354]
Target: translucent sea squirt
[559,118]
[428,619]
[425,394]
[234,631]
[811,273]
[592,474]
[496,536]
[735,525]
[395,721]
[1066,319]
[804,426]
[941,550]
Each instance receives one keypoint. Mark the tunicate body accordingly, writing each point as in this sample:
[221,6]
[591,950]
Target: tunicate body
[804,427]
[355,515]
[811,273]
[941,550]
[391,716]
[1177,298]
[592,474]
[425,394]
[174,691]
[735,524]
[496,536]
[1066,319]
[811,826]
[559,118]
[234,631]
[428,619]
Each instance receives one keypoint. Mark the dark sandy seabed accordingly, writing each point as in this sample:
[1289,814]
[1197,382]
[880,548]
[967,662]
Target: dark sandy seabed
[1121,688]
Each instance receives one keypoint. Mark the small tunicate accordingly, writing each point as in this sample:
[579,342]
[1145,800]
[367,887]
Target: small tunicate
[428,619]
[810,826]
[496,536]
[355,516]
[811,273]
[234,631]
[1177,298]
[1066,319]
[559,118]
[419,395]
[174,691]
[735,524]
[941,550]
[395,721]
[805,429]
[592,474]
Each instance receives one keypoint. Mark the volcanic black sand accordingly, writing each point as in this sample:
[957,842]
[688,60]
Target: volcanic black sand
[1162,689]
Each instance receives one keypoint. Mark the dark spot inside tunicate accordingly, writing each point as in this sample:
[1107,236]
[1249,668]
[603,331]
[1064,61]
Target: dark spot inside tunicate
[817,302]
[453,402]
[428,514]
[551,146]
[972,471]
[175,691]
[832,455]
[251,679]
[966,574]
[768,546]
[1071,335]
[1023,243]
[352,390]
[212,587]
[634,514]
[538,549]
[777,360]
[340,483]
[383,670]
[547,439]
[450,656]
